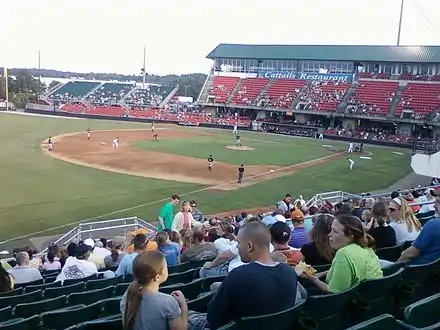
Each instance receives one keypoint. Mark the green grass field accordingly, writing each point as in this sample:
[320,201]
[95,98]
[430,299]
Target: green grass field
[38,192]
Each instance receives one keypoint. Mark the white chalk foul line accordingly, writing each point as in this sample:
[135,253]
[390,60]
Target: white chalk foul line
[162,200]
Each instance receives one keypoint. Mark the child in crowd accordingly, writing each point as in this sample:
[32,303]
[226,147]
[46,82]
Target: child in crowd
[171,252]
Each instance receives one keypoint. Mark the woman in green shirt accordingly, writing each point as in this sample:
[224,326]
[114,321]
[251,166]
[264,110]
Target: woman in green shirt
[354,261]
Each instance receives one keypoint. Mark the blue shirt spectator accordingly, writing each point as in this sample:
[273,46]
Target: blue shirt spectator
[172,254]
[428,243]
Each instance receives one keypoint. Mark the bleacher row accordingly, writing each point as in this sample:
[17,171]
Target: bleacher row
[111,93]
[375,95]
[407,297]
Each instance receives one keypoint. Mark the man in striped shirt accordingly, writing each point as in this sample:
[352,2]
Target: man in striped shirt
[299,235]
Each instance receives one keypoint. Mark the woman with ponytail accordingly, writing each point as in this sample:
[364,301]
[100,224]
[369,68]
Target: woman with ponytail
[354,260]
[143,307]
[405,224]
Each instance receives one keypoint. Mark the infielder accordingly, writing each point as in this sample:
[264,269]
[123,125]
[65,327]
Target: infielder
[351,163]
[238,140]
[155,137]
[350,147]
[210,161]
[116,143]
[50,144]
[235,130]
[152,127]
[240,173]
[89,133]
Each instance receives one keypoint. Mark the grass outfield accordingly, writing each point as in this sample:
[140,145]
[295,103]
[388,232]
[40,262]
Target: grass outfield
[38,192]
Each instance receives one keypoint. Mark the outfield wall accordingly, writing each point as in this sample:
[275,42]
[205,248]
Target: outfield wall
[31,109]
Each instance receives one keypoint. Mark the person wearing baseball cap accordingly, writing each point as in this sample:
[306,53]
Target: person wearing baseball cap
[299,235]
[78,266]
[93,257]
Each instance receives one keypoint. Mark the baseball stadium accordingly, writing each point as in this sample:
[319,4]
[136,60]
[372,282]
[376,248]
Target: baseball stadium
[318,130]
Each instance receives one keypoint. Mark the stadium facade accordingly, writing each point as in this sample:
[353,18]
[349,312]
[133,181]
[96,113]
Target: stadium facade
[396,88]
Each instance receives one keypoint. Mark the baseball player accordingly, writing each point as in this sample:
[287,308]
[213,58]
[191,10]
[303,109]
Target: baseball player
[155,137]
[238,140]
[152,127]
[351,163]
[89,133]
[350,147]
[240,173]
[116,143]
[50,143]
[210,161]
[235,130]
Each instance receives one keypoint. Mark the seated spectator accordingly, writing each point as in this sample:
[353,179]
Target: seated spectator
[354,261]
[151,243]
[253,282]
[78,266]
[299,235]
[51,263]
[357,208]
[184,219]
[100,250]
[23,273]
[140,242]
[174,238]
[403,221]
[427,207]
[186,235]
[318,251]
[6,281]
[171,251]
[93,257]
[199,250]
[426,247]
[225,238]
[34,261]
[197,215]
[383,234]
[280,233]
[143,306]
[116,254]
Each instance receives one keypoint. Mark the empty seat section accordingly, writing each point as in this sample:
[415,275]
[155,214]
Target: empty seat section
[106,111]
[421,98]
[74,108]
[73,89]
[109,93]
[283,92]
[222,87]
[248,91]
[373,97]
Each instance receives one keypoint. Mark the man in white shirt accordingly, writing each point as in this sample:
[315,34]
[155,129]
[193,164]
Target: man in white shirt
[100,250]
[350,163]
[78,266]
[23,273]
[93,256]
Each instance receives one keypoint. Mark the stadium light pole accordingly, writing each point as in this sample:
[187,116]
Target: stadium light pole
[5,69]
[399,32]
[39,74]
[144,71]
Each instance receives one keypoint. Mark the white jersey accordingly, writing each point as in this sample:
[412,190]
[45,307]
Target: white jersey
[350,161]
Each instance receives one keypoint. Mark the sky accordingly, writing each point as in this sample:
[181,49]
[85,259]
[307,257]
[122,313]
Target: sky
[109,35]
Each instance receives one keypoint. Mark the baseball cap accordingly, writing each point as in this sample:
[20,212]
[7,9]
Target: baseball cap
[90,242]
[297,215]
[435,193]
[118,241]
[81,249]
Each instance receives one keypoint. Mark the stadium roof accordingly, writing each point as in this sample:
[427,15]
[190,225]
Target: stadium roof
[401,54]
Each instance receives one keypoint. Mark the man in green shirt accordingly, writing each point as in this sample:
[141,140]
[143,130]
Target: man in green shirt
[166,213]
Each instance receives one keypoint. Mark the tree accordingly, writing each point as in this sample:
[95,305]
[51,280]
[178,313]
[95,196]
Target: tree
[52,84]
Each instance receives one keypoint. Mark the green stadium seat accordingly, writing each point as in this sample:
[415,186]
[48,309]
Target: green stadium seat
[425,217]
[20,299]
[229,326]
[5,314]
[78,280]
[50,279]
[21,285]
[184,277]
[199,263]
[112,306]
[63,290]
[285,320]
[328,311]
[390,253]
[208,281]
[393,268]
[31,323]
[113,323]
[14,292]
[32,288]
[127,278]
[73,89]
[121,288]
[30,309]
[100,284]
[90,296]
[50,273]
[374,297]
[200,304]
[183,267]
[424,313]
[322,268]
[382,322]
[67,317]
[190,290]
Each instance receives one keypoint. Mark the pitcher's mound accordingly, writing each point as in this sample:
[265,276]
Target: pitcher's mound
[242,148]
